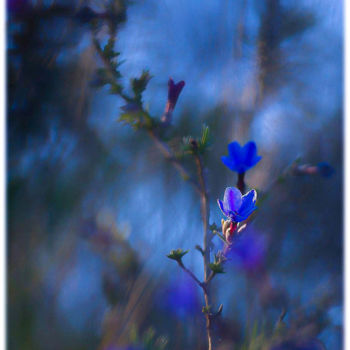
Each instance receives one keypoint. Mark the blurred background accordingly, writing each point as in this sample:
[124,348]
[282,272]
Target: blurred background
[93,207]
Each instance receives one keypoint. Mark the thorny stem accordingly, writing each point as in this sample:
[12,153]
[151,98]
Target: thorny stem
[206,244]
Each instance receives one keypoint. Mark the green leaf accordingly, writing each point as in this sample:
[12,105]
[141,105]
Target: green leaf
[205,134]
[177,254]
[216,267]
[203,143]
[115,89]
[206,309]
[139,85]
[108,50]
[214,227]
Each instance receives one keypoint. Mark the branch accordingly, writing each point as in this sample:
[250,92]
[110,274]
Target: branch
[110,68]
[204,213]
[168,154]
[206,242]
[191,274]
[162,146]
[211,276]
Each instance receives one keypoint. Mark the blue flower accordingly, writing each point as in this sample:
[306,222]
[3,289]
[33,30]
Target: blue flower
[240,158]
[237,207]
[325,169]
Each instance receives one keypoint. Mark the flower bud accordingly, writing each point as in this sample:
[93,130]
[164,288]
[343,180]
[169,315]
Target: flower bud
[174,91]
[228,229]
[323,168]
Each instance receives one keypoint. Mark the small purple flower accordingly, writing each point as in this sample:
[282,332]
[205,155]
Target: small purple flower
[236,207]
[239,158]
[174,91]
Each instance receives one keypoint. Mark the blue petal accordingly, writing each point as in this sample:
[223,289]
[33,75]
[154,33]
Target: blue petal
[241,216]
[221,206]
[238,218]
[247,212]
[255,160]
[249,151]
[235,152]
[232,199]
[228,162]
[248,204]
[249,197]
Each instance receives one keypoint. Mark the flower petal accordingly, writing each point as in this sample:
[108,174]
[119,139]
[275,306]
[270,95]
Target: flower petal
[241,216]
[248,204]
[235,152]
[247,212]
[249,153]
[256,160]
[228,162]
[251,196]
[232,199]
[221,206]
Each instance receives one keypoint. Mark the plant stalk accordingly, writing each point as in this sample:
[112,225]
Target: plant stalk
[206,244]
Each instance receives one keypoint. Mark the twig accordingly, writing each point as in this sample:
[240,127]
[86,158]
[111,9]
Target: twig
[191,274]
[162,146]
[110,68]
[168,154]
[206,243]
[211,276]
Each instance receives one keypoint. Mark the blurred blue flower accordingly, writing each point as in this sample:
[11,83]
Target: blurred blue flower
[240,158]
[180,297]
[249,252]
[236,207]
[325,169]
